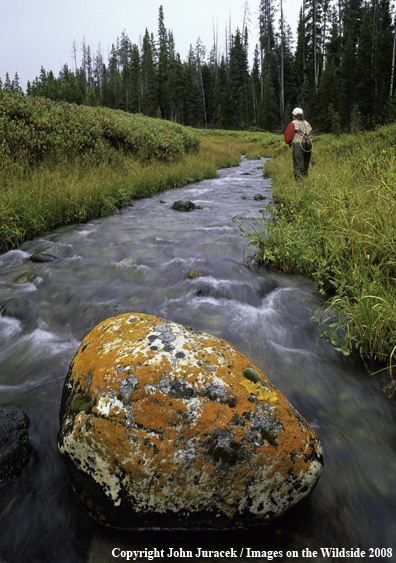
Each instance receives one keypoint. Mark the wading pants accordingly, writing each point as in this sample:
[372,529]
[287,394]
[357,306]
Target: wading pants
[301,159]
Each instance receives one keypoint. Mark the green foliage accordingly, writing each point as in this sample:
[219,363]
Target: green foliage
[339,227]
[335,122]
[343,58]
[61,189]
[37,130]
[266,144]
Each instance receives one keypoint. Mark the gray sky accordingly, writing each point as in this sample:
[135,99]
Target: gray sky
[36,34]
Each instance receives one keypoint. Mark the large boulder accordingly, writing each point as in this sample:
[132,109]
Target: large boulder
[15,446]
[163,425]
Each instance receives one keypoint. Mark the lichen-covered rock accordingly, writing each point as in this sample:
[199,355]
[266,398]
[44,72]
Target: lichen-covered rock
[15,446]
[162,425]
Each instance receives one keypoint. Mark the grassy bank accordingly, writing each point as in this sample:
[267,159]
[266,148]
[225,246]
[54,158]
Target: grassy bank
[62,163]
[339,226]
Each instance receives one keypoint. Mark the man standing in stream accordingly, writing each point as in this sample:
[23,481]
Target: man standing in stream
[297,134]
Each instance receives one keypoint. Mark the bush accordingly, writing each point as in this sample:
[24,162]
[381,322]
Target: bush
[36,130]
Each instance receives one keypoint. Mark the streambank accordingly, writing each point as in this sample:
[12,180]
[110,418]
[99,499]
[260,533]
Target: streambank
[138,260]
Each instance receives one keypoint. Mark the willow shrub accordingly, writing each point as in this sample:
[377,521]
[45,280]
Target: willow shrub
[63,164]
[338,225]
[37,130]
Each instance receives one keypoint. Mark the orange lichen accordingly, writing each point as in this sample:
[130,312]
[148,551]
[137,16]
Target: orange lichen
[153,417]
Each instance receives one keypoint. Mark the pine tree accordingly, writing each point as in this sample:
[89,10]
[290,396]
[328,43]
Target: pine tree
[224,113]
[84,63]
[269,119]
[239,77]
[266,24]
[291,78]
[39,83]
[107,97]
[329,86]
[192,99]
[135,78]
[173,84]
[124,55]
[209,82]
[255,86]
[163,66]
[383,64]
[313,31]
[281,66]
[149,76]
[15,86]
[98,73]
[53,87]
[365,68]
[113,94]
[301,50]
[7,83]
[200,53]
[89,69]
[348,81]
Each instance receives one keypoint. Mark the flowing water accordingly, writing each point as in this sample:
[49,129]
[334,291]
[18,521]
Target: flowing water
[138,260]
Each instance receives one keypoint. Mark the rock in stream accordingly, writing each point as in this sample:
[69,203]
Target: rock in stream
[15,446]
[163,425]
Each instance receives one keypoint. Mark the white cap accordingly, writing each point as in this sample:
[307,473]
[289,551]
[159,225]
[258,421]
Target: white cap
[297,111]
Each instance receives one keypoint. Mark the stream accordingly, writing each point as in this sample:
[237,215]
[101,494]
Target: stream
[138,260]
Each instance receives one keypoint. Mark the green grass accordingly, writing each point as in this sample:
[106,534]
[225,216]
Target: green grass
[339,226]
[265,143]
[61,163]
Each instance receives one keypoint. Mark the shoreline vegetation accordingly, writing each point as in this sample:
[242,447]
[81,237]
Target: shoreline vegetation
[338,226]
[61,163]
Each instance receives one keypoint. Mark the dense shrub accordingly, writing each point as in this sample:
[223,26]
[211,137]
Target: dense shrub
[33,130]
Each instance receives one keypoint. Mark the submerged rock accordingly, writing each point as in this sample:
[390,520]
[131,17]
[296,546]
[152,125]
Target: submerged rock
[185,205]
[194,274]
[15,446]
[50,253]
[163,425]
[26,278]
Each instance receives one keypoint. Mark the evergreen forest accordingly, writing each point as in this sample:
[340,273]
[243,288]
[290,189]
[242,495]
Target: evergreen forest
[340,70]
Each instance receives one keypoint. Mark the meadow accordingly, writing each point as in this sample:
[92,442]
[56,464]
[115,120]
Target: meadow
[61,163]
[338,225]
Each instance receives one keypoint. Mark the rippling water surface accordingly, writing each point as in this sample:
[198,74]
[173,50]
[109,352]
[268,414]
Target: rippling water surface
[138,260]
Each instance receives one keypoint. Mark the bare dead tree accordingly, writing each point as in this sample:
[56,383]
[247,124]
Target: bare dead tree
[393,62]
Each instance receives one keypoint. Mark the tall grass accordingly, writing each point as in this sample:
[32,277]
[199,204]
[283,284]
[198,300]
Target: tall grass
[34,199]
[61,163]
[338,225]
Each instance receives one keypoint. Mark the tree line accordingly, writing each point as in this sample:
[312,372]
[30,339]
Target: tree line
[340,71]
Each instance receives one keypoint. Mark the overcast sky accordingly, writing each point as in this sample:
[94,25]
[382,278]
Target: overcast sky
[35,34]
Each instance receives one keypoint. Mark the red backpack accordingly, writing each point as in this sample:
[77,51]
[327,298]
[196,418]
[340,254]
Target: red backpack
[289,133]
